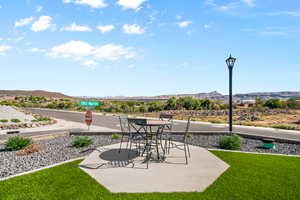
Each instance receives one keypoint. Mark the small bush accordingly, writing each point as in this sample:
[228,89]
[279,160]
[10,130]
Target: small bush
[115,136]
[82,142]
[15,120]
[3,120]
[40,119]
[29,149]
[232,142]
[17,143]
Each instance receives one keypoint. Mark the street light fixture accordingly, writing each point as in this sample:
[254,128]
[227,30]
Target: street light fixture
[230,63]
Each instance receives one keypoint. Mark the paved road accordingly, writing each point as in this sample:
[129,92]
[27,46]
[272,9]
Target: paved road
[112,122]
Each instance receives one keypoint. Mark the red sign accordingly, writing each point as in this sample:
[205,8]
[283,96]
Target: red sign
[88,117]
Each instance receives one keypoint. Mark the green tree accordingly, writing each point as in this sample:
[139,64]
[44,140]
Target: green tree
[171,104]
[292,103]
[273,103]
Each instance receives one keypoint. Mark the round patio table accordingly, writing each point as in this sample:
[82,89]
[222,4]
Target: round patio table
[147,125]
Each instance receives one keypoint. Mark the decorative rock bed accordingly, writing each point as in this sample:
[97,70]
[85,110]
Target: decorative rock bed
[27,119]
[60,149]
[26,125]
[54,151]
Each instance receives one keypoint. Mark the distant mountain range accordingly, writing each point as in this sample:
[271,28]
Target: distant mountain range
[8,93]
[216,96]
[210,95]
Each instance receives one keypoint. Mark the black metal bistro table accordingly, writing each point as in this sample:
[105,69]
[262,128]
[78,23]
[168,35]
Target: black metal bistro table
[153,129]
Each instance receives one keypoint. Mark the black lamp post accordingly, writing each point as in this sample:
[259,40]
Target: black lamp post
[230,63]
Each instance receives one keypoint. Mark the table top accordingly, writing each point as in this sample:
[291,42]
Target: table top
[151,122]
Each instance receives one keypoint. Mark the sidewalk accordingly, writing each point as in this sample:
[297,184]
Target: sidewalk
[62,126]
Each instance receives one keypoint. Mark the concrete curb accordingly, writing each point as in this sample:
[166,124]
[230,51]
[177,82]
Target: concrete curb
[249,152]
[39,169]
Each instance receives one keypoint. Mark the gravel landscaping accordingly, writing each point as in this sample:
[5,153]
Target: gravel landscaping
[60,149]
[250,145]
[54,151]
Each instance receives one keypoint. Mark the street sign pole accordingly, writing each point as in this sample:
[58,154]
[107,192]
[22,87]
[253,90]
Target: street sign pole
[89,107]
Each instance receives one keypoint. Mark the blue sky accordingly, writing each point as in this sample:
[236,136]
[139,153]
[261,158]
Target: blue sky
[149,47]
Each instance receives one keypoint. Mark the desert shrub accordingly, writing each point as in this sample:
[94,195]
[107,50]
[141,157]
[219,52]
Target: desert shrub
[292,103]
[39,119]
[3,120]
[17,143]
[115,136]
[15,120]
[29,149]
[232,142]
[217,121]
[82,142]
[285,126]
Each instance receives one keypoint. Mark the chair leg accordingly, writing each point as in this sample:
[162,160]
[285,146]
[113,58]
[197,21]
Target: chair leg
[121,143]
[169,145]
[186,160]
[130,144]
[188,148]
[128,141]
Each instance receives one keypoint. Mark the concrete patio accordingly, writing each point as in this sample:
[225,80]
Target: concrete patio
[117,173]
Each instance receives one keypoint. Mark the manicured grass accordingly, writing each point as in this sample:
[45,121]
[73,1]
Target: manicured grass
[250,177]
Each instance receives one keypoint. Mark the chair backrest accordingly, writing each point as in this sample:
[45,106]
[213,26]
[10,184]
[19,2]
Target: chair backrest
[165,117]
[124,125]
[135,124]
[187,129]
[169,118]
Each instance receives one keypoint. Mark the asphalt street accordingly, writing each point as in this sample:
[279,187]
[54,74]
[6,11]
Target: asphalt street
[112,122]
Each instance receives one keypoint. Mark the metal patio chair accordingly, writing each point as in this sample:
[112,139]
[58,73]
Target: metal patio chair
[183,144]
[166,135]
[125,129]
[136,133]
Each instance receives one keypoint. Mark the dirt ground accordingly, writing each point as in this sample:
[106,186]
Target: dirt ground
[283,121]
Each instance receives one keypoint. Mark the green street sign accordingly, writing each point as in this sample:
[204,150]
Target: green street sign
[89,103]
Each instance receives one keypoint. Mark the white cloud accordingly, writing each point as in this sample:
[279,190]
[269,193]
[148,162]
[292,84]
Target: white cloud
[71,49]
[184,24]
[74,27]
[288,13]
[133,29]
[91,3]
[106,28]
[230,5]
[113,52]
[39,8]
[19,38]
[4,48]
[131,4]
[206,27]
[90,63]
[225,7]
[189,32]
[23,22]
[42,24]
[249,3]
[178,17]
[77,50]
[36,50]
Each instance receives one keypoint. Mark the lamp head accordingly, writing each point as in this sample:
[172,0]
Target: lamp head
[230,61]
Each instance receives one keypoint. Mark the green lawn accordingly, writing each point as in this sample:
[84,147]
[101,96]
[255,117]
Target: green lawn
[250,176]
